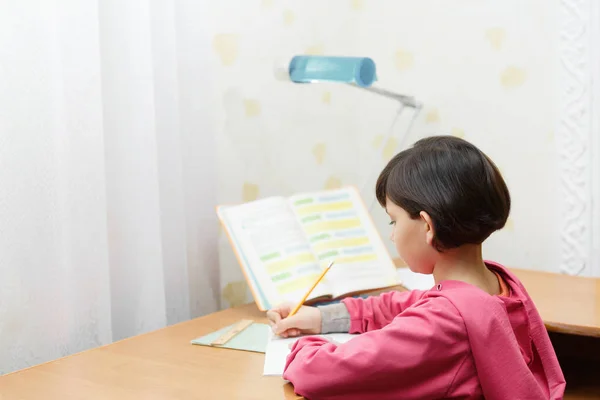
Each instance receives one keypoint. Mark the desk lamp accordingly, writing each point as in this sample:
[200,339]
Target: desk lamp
[359,72]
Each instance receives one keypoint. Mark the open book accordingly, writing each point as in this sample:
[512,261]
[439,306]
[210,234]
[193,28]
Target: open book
[282,244]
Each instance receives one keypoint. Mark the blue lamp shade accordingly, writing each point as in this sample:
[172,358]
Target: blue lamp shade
[360,71]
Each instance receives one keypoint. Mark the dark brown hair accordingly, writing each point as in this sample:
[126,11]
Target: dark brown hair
[454,182]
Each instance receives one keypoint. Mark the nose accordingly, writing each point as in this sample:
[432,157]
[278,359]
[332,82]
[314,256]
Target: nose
[392,236]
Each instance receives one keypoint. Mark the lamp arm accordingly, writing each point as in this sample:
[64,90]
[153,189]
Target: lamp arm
[406,101]
[367,194]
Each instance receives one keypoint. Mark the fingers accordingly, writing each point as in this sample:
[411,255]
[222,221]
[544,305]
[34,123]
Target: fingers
[285,324]
[277,314]
[293,332]
[274,317]
[285,309]
[281,323]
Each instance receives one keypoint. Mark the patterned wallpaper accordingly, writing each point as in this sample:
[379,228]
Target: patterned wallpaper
[484,71]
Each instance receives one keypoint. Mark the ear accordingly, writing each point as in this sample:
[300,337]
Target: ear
[429,228]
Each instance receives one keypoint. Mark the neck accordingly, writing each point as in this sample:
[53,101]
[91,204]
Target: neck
[465,264]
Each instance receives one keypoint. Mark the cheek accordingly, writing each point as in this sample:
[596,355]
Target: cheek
[410,245]
[402,239]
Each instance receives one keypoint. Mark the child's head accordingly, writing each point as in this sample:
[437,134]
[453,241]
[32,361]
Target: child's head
[441,194]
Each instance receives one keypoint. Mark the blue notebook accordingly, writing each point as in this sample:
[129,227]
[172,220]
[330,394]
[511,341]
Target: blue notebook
[254,338]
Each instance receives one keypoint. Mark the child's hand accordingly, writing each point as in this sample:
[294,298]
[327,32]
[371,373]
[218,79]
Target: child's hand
[306,321]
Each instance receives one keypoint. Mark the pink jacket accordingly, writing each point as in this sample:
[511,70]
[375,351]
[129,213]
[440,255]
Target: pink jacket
[453,341]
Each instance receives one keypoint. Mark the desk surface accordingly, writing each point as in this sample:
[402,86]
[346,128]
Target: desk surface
[157,365]
[567,304]
[164,365]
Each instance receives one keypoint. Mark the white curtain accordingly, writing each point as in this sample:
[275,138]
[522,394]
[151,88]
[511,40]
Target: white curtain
[107,173]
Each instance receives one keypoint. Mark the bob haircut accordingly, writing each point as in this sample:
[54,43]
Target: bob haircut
[454,182]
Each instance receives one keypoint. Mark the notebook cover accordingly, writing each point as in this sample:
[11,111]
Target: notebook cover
[253,338]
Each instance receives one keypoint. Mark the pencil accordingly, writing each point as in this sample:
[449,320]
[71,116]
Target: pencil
[319,279]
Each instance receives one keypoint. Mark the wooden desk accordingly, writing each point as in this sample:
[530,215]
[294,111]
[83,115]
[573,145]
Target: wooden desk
[157,365]
[567,304]
[164,365]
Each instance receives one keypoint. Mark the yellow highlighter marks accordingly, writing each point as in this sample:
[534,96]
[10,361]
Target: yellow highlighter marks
[290,262]
[326,226]
[297,284]
[316,208]
[339,243]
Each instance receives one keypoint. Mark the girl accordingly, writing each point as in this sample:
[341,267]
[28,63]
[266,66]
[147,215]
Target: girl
[475,334]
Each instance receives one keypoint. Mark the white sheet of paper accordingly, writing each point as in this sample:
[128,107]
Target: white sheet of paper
[279,348]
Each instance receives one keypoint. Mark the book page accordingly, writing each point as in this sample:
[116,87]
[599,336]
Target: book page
[279,348]
[273,252]
[339,228]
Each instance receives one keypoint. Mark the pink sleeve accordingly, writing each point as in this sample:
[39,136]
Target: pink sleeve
[375,312]
[415,356]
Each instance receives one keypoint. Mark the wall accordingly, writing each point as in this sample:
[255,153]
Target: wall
[485,71]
